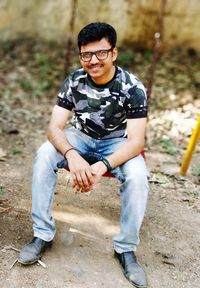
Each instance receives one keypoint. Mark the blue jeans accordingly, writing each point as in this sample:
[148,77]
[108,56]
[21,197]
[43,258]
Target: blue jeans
[133,191]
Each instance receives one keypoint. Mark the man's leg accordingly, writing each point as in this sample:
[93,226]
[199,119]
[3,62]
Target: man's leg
[133,176]
[43,189]
[134,192]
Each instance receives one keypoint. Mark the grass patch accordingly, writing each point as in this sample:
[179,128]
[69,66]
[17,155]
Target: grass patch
[167,146]
[2,191]
[196,170]
[16,151]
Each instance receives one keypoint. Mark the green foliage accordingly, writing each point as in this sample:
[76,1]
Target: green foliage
[125,58]
[16,151]
[25,85]
[196,170]
[2,191]
[37,68]
[7,46]
[148,54]
[41,75]
[191,192]
[42,85]
[3,131]
[167,146]
[43,62]
[43,80]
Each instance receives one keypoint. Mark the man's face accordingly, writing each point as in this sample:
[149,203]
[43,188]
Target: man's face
[101,71]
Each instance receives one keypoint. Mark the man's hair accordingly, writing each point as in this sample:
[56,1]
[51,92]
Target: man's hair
[95,32]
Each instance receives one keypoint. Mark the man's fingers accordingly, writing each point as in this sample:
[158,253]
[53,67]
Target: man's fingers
[81,182]
[82,189]
[84,177]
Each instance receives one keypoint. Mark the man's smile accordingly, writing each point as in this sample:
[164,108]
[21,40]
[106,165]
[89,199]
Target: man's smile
[95,67]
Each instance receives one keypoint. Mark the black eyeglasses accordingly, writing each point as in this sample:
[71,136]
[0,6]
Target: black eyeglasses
[100,54]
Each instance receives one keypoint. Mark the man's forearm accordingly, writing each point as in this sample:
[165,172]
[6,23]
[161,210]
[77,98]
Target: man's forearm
[126,152]
[57,137]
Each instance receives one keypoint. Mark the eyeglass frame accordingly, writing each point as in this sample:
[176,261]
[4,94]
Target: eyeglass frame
[94,53]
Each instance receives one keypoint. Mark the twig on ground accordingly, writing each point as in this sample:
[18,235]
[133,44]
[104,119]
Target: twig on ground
[10,248]
[4,210]
[42,264]
[13,264]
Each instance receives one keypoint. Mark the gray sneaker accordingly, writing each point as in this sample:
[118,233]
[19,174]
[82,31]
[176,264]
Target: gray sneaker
[33,251]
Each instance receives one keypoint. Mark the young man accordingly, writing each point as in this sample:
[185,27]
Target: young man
[107,133]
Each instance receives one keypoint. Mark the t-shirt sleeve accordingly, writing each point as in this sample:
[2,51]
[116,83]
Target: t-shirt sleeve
[64,96]
[136,102]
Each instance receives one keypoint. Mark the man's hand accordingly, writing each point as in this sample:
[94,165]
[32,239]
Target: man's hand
[83,175]
[98,170]
[80,170]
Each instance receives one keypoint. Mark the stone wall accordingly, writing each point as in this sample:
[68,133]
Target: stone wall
[135,20]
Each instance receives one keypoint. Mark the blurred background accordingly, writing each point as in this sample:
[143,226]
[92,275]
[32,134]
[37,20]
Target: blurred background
[159,41]
[136,21]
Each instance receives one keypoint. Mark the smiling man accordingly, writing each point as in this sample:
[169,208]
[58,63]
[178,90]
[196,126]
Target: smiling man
[107,134]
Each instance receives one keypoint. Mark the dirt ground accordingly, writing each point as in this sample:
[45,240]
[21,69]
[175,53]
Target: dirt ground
[82,252]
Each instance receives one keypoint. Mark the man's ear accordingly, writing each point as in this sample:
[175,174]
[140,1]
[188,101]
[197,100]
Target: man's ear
[114,53]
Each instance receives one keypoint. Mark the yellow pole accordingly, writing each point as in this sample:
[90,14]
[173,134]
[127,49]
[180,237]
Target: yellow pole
[190,149]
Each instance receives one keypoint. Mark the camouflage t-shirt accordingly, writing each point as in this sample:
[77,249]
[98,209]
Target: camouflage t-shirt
[101,111]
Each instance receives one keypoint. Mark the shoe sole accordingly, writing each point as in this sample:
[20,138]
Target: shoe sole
[28,263]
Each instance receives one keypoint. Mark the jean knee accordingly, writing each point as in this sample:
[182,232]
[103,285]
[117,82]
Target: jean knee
[47,155]
[135,168]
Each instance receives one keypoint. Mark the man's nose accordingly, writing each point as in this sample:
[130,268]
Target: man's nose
[94,59]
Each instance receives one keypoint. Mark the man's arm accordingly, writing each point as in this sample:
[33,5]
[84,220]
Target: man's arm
[79,168]
[136,129]
[55,132]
